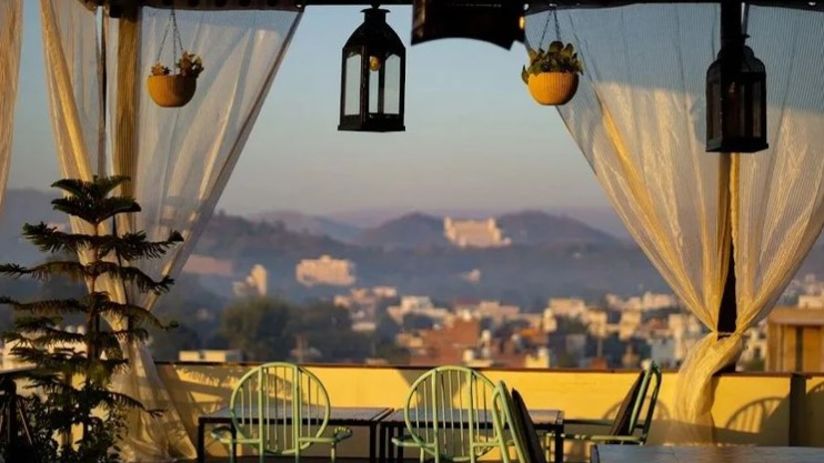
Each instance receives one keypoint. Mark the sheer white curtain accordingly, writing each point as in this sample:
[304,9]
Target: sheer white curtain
[639,118]
[781,206]
[11,12]
[179,159]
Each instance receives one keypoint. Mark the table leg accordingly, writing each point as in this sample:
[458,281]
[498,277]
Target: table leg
[372,443]
[382,442]
[234,442]
[201,441]
[559,445]
[400,447]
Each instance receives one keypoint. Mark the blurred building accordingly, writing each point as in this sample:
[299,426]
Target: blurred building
[567,307]
[645,302]
[254,285]
[795,340]
[417,305]
[325,271]
[363,304]
[474,233]
[218,356]
[205,265]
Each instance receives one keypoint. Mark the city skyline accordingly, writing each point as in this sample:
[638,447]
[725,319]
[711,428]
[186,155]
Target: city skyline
[507,154]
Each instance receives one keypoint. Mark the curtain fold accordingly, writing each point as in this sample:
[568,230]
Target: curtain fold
[639,118]
[11,12]
[179,159]
[780,206]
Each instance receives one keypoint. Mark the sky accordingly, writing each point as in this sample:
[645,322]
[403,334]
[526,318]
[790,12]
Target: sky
[474,139]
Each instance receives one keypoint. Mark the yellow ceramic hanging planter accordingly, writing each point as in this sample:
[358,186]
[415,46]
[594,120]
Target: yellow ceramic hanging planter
[552,75]
[174,90]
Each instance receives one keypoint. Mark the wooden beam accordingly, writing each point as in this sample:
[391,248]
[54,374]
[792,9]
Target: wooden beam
[534,6]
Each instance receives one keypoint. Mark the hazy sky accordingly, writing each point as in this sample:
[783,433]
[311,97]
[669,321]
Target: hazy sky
[474,137]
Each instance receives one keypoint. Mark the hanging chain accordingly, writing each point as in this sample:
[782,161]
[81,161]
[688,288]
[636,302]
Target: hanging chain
[557,25]
[553,15]
[177,43]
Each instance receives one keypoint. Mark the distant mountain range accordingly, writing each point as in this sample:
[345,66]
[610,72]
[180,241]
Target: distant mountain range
[310,224]
[421,230]
[550,255]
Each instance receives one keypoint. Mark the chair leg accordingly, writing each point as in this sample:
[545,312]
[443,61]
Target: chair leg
[333,453]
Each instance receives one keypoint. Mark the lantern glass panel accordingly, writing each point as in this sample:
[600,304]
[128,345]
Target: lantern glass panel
[352,90]
[714,110]
[374,84]
[757,97]
[392,88]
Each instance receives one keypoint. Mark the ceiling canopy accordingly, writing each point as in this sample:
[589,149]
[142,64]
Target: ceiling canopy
[534,6]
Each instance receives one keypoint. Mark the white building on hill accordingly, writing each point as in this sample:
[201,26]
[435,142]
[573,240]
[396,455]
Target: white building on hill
[474,233]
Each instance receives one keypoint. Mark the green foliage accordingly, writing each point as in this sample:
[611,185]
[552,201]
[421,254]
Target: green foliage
[557,58]
[266,329]
[74,369]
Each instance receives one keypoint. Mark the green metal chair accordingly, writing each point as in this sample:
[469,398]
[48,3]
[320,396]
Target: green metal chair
[507,414]
[450,416]
[280,409]
[627,428]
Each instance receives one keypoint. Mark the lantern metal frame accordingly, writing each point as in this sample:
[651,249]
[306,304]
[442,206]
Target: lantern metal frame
[736,92]
[373,38]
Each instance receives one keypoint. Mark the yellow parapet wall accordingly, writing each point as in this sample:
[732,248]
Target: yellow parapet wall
[749,408]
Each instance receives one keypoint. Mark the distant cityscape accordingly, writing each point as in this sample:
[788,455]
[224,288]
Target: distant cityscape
[569,332]
[519,290]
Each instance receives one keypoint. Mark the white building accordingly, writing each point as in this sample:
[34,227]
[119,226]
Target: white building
[255,284]
[417,305]
[567,307]
[549,322]
[474,233]
[647,301]
[811,301]
[494,310]
[325,271]
[597,322]
[629,324]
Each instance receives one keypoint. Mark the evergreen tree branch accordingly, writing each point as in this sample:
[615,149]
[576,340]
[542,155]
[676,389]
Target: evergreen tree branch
[95,212]
[129,246]
[79,272]
[47,307]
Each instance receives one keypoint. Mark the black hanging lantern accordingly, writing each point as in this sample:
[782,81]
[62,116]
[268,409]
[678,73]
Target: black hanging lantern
[373,77]
[500,22]
[736,91]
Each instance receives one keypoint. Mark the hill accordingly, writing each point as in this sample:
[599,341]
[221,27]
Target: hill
[539,228]
[410,231]
[299,222]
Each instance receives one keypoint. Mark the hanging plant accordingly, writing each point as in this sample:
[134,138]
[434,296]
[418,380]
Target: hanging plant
[552,75]
[173,90]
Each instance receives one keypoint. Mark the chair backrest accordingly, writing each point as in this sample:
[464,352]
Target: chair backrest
[507,416]
[449,411]
[654,373]
[639,395]
[534,451]
[278,405]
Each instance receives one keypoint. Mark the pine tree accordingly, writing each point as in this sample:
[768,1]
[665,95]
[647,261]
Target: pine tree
[74,369]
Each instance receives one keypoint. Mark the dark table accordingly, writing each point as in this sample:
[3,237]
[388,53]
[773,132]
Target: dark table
[339,416]
[552,421]
[705,454]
